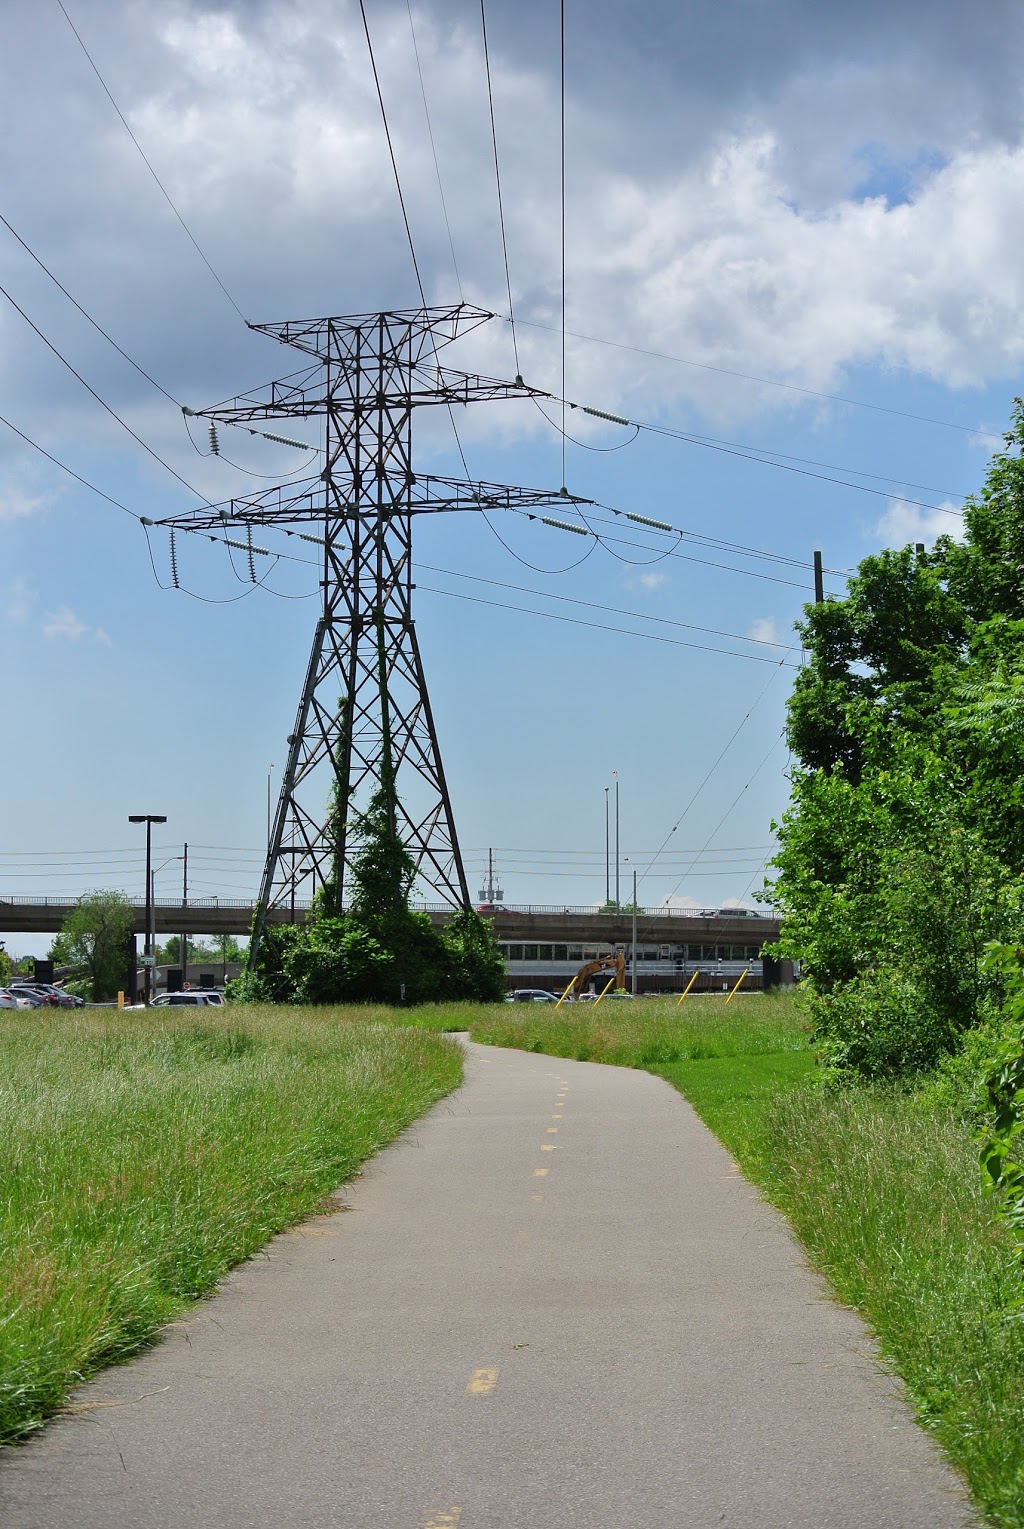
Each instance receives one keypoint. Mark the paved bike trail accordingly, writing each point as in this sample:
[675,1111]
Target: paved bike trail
[554,1301]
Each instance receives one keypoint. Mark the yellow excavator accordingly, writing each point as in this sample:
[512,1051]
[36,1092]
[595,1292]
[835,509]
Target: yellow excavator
[590,968]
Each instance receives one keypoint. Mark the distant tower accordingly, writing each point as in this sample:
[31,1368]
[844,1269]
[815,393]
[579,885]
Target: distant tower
[490,893]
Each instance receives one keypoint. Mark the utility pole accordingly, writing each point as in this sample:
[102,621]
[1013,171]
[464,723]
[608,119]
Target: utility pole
[367,375]
[183,953]
[618,903]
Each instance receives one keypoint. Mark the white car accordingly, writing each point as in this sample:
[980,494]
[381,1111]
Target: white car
[195,998]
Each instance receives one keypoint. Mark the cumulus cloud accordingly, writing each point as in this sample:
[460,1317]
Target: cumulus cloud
[764,630]
[16,504]
[903,523]
[63,623]
[647,581]
[744,242]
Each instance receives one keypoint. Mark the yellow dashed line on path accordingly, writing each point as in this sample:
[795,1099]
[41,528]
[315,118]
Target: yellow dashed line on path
[541,1173]
[552,1130]
[547,1146]
[482,1382]
[448,1520]
[538,1198]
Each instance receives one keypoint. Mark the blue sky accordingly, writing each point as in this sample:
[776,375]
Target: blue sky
[832,202]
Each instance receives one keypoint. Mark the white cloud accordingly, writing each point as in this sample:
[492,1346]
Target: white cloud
[647,581]
[764,630]
[903,523]
[102,637]
[16,504]
[64,623]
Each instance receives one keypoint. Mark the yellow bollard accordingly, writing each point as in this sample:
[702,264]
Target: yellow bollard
[604,990]
[736,989]
[689,985]
[566,993]
[120,1000]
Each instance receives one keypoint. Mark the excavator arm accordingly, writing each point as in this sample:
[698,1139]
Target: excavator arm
[601,964]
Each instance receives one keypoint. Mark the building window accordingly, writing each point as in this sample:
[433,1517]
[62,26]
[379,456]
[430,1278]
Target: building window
[515,952]
[530,953]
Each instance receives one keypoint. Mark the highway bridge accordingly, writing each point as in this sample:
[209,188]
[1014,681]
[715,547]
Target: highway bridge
[521,922]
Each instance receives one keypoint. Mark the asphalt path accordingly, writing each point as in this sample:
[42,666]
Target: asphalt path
[554,1301]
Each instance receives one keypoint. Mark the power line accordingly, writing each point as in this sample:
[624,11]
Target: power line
[610,609]
[774,382]
[686,557]
[743,789]
[497,180]
[433,150]
[101,401]
[391,151]
[728,745]
[166,194]
[562,147]
[87,316]
[675,642]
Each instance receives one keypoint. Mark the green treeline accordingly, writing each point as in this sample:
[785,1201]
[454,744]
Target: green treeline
[902,852]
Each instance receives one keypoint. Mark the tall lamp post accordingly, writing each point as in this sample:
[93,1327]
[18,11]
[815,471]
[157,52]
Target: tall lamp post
[607,879]
[149,818]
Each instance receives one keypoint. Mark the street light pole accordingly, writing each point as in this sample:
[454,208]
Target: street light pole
[607,879]
[149,818]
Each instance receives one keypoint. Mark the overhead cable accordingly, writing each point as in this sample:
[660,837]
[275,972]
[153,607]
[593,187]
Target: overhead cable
[773,382]
[675,642]
[433,150]
[166,194]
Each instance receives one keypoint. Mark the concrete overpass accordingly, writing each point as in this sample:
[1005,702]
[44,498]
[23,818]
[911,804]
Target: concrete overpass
[527,923]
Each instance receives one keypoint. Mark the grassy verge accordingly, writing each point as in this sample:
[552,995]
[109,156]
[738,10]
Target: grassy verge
[882,1187]
[142,1155]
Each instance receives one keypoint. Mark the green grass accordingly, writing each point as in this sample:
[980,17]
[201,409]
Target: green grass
[142,1155]
[883,1188]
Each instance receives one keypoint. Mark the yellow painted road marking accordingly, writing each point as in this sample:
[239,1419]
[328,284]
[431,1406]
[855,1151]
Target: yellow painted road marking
[536,1197]
[552,1130]
[449,1520]
[482,1382]
[547,1146]
[540,1173]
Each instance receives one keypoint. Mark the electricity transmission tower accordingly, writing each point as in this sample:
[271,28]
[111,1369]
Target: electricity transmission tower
[364,717]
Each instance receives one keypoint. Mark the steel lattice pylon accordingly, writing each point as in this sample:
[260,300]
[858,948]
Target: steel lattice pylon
[365,691]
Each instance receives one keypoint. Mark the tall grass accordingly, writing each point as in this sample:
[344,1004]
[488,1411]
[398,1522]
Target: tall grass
[885,1192]
[142,1155]
[647,1033]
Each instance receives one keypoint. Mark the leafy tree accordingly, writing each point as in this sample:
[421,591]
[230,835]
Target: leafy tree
[95,936]
[902,851]
[379,950]
[6,965]
[228,950]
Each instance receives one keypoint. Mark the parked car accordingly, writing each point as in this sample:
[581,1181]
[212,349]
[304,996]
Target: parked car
[54,996]
[530,995]
[9,1000]
[27,998]
[195,999]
